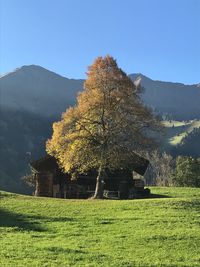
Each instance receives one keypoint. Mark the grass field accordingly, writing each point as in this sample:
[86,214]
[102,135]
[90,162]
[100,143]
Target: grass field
[56,232]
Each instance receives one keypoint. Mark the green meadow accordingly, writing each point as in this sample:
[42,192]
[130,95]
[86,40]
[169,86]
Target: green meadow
[160,231]
[177,130]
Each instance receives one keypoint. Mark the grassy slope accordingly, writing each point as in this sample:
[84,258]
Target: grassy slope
[177,130]
[55,232]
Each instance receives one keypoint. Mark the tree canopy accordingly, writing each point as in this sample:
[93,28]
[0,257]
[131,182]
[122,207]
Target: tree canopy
[187,172]
[106,127]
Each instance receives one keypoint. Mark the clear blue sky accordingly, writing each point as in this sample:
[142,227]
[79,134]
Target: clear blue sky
[159,38]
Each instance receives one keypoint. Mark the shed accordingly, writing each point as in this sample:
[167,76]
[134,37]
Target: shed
[51,181]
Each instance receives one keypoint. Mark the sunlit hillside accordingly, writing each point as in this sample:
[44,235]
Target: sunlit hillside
[177,130]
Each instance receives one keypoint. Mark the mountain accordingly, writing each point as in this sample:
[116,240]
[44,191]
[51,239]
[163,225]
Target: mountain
[177,100]
[32,98]
[40,91]
[37,90]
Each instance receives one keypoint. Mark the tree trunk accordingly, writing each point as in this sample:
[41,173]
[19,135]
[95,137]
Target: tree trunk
[99,185]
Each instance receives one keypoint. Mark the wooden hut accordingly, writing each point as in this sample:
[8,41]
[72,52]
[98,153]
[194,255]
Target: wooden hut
[51,181]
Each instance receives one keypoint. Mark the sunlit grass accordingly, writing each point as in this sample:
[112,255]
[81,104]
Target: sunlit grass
[56,232]
[175,140]
[173,123]
[177,130]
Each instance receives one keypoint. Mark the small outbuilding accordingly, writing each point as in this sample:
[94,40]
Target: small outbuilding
[51,181]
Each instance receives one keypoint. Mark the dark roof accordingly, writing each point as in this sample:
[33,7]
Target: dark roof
[49,163]
[139,164]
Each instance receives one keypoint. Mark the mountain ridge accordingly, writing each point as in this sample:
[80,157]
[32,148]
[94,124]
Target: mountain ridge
[34,66]
[41,91]
[38,90]
[135,75]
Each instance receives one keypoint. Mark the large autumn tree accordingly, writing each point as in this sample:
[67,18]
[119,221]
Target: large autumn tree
[107,125]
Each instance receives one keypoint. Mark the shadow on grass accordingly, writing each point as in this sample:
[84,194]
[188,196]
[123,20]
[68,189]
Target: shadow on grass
[6,195]
[139,197]
[51,219]
[22,222]
[158,196]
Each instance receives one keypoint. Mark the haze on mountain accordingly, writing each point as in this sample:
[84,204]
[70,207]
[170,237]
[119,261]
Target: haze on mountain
[40,91]
[37,90]
[179,101]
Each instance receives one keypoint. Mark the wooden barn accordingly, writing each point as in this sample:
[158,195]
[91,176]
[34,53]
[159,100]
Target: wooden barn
[52,182]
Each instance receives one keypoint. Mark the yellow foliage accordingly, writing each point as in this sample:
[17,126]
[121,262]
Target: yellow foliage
[105,126]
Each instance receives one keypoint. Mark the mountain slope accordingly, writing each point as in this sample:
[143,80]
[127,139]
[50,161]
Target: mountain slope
[22,139]
[37,90]
[190,144]
[179,101]
[179,138]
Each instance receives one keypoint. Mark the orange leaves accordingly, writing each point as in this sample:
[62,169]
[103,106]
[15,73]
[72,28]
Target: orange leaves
[108,120]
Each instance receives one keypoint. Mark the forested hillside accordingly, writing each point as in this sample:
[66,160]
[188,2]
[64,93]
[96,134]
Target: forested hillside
[190,144]
[23,137]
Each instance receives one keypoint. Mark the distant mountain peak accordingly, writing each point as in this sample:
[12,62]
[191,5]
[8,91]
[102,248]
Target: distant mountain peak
[145,78]
[137,81]
[141,76]
[39,90]
[22,68]
[32,69]
[35,68]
